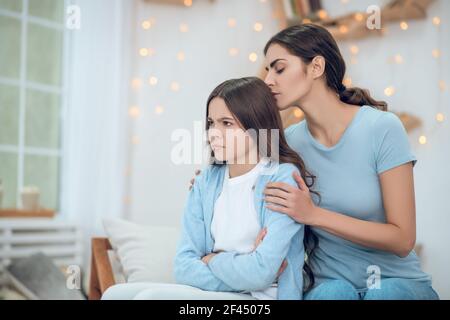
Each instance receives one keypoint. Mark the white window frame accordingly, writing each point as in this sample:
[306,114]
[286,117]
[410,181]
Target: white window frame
[23,84]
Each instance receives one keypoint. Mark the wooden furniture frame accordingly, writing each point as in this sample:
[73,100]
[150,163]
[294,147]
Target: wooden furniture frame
[102,276]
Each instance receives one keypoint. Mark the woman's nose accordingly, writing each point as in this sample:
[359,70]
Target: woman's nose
[268,80]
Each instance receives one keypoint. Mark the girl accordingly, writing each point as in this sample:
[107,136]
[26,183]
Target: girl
[220,255]
[365,222]
[225,209]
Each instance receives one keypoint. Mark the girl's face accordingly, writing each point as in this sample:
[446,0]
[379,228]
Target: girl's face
[288,77]
[229,141]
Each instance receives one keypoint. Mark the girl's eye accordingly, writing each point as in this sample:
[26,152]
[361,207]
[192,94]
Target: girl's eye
[210,123]
[280,71]
[226,123]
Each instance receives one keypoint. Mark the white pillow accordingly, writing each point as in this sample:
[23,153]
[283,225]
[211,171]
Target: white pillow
[146,253]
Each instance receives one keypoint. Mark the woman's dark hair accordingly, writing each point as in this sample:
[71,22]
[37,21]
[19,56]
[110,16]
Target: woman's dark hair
[253,105]
[307,41]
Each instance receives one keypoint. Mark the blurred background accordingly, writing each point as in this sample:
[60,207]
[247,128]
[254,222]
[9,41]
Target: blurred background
[91,92]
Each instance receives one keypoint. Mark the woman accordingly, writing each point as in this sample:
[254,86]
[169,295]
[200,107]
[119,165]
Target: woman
[365,219]
[365,222]
[217,256]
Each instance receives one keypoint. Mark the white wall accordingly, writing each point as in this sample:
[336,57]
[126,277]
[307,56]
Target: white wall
[157,188]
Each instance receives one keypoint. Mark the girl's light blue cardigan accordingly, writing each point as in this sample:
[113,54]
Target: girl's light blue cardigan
[231,271]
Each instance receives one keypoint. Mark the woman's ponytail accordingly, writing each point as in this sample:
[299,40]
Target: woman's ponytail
[360,97]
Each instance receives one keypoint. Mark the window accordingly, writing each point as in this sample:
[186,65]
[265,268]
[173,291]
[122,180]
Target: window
[32,38]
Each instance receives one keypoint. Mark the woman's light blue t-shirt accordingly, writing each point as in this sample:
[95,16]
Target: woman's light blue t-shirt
[348,182]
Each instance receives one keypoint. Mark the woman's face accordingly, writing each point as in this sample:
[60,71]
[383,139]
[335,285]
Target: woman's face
[228,140]
[288,77]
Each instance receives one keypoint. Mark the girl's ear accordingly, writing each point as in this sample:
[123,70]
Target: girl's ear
[317,67]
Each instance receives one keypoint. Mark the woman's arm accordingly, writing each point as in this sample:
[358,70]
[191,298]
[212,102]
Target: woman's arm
[397,235]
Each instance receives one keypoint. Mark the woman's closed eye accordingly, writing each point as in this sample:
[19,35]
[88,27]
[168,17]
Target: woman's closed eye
[279,71]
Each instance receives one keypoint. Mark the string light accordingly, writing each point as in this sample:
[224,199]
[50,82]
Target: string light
[359,17]
[187,3]
[347,82]
[404,25]
[175,86]
[298,113]
[343,29]
[181,56]
[398,59]
[322,14]
[153,81]
[136,83]
[436,21]
[143,52]
[258,26]
[422,139]
[442,85]
[146,25]
[440,117]
[159,110]
[354,49]
[253,57]
[389,91]
[232,22]
[306,20]
[184,27]
[134,111]
[436,53]
[233,52]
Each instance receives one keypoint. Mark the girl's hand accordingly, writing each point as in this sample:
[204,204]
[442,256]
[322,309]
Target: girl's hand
[208,257]
[295,202]
[191,183]
[258,240]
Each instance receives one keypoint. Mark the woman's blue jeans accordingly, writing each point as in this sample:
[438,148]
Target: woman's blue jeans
[390,289]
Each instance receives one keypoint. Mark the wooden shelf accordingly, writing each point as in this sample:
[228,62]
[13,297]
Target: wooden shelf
[352,26]
[19,213]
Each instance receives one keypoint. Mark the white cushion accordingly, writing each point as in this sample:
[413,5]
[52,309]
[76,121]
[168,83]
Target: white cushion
[146,253]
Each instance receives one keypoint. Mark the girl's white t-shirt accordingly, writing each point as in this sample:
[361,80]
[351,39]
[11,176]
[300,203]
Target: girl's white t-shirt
[235,224]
